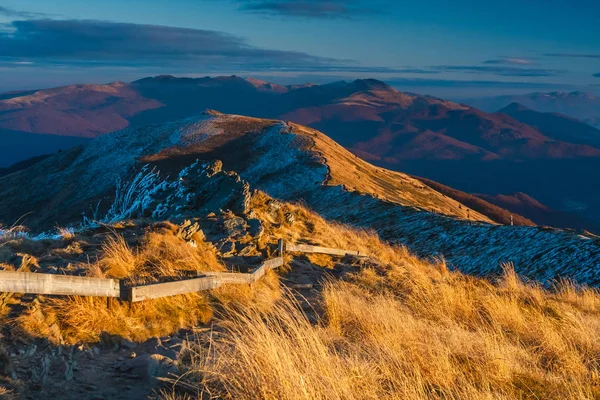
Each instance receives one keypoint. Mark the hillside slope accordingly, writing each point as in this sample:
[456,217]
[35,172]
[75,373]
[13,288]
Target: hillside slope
[554,125]
[288,162]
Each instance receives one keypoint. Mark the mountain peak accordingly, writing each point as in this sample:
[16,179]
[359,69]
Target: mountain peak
[581,94]
[514,107]
[372,84]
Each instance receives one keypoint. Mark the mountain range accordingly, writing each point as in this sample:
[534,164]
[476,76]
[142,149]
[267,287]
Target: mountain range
[550,157]
[581,105]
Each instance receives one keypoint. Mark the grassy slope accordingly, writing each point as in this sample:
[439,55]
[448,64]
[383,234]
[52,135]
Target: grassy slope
[356,174]
[402,327]
[395,327]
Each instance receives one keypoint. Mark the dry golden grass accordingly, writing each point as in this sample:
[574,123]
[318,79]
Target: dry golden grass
[407,329]
[308,226]
[356,174]
[161,256]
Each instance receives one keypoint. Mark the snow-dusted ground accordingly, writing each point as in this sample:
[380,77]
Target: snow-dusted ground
[476,248]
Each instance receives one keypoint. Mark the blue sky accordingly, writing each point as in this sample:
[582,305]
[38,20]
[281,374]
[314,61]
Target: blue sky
[459,47]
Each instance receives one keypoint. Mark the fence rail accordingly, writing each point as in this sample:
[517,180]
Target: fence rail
[306,248]
[27,282]
[210,281]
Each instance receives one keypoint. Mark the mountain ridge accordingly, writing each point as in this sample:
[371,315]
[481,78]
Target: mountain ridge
[288,162]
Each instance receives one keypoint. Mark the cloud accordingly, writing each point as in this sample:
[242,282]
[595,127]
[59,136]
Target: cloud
[597,75]
[501,71]
[573,55]
[90,43]
[309,8]
[9,12]
[100,43]
[510,61]
[458,83]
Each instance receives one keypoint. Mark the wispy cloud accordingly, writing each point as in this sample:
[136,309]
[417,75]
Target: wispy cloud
[89,43]
[510,61]
[459,83]
[501,71]
[97,43]
[309,8]
[9,12]
[573,55]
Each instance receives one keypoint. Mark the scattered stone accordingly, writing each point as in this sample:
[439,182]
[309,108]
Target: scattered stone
[234,227]
[190,231]
[227,248]
[149,366]
[255,228]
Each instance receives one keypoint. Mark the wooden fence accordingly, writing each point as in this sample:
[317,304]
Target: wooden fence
[210,281]
[27,282]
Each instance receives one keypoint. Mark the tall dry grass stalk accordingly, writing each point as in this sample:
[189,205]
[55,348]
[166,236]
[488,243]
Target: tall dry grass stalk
[408,329]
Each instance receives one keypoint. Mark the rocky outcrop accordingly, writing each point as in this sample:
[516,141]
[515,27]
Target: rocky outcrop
[200,189]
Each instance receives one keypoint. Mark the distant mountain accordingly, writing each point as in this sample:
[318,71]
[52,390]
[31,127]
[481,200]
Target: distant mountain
[455,144]
[367,115]
[554,125]
[540,213]
[78,110]
[497,213]
[580,105]
[382,124]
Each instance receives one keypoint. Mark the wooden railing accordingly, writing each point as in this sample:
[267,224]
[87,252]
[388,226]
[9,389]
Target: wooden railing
[210,281]
[28,282]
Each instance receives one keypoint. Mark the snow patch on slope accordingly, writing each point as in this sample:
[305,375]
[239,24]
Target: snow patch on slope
[276,169]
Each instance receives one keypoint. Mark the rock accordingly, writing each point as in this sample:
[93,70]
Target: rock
[234,227]
[190,231]
[247,250]
[38,314]
[149,366]
[255,228]
[227,248]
